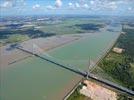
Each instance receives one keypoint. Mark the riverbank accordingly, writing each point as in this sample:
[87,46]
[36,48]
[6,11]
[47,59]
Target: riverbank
[119,67]
[74,94]
[11,55]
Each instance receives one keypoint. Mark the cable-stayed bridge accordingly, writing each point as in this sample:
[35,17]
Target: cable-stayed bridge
[85,74]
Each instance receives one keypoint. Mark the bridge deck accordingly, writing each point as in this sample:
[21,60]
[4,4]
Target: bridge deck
[84,74]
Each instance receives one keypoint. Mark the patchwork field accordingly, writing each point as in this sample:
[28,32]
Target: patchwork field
[21,32]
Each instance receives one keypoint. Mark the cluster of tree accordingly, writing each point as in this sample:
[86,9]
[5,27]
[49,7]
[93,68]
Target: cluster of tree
[77,96]
[126,41]
[119,70]
[90,26]
[11,34]
[119,65]
[123,97]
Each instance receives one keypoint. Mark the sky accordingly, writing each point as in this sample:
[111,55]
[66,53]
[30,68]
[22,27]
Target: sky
[81,7]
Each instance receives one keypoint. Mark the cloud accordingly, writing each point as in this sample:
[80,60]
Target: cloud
[130,8]
[70,4]
[12,3]
[77,5]
[97,5]
[58,3]
[21,2]
[92,2]
[89,5]
[86,6]
[101,5]
[110,5]
[49,7]
[36,6]
[6,4]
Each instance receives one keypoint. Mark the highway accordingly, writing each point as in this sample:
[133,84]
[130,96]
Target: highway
[84,74]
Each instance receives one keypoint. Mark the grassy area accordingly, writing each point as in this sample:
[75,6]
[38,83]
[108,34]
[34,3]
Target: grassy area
[17,38]
[70,26]
[17,35]
[120,67]
[77,96]
[50,28]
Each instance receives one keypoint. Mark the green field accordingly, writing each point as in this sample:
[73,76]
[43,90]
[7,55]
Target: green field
[77,96]
[119,68]
[68,26]
[50,28]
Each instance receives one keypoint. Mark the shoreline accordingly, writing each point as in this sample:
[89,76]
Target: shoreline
[99,60]
[18,55]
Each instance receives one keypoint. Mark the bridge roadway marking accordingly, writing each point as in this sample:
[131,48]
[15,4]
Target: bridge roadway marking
[85,74]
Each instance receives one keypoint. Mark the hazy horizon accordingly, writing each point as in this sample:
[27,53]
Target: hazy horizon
[67,7]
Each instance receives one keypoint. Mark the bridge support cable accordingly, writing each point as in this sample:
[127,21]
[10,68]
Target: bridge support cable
[84,74]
